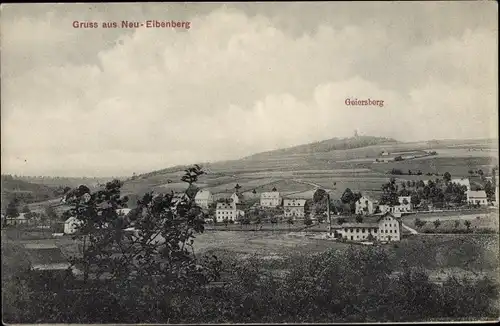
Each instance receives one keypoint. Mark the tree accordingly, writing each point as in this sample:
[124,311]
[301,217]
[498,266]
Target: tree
[436,223]
[274,189]
[447,177]
[359,219]
[50,212]
[347,196]
[155,262]
[237,188]
[419,223]
[12,208]
[456,224]
[308,221]
[254,192]
[471,172]
[341,220]
[26,209]
[467,224]
[289,221]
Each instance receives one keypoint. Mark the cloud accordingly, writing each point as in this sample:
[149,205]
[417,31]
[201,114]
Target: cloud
[232,85]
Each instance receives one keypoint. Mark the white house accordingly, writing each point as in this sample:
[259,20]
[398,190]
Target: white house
[462,182]
[384,153]
[228,211]
[203,198]
[382,228]
[477,197]
[395,210]
[365,206]
[294,208]
[405,203]
[270,199]
[71,225]
[21,219]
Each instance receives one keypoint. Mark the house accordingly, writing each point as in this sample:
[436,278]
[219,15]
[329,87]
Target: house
[384,153]
[395,210]
[366,206]
[294,208]
[477,197]
[236,198]
[270,199]
[204,198]
[462,182]
[21,219]
[405,204]
[71,225]
[227,211]
[382,228]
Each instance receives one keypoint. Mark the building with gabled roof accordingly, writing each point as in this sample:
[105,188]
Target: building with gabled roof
[386,227]
[366,205]
[204,198]
[294,208]
[270,199]
[477,197]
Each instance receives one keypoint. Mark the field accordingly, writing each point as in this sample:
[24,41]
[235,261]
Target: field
[478,221]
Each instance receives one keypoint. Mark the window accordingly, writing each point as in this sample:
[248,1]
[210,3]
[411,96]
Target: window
[363,230]
[357,230]
[352,237]
[375,231]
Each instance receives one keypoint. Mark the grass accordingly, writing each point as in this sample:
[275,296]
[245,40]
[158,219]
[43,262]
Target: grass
[486,221]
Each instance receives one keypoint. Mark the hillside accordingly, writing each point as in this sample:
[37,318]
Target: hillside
[327,146]
[27,192]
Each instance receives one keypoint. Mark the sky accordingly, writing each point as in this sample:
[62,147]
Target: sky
[244,78]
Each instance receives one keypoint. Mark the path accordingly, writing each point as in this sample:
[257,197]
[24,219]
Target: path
[412,231]
[315,185]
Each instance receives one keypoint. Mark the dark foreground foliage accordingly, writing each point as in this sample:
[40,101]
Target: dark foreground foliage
[351,286]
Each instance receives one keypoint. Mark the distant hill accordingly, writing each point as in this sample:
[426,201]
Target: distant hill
[27,192]
[328,145]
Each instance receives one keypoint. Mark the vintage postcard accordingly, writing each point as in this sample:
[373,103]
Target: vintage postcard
[232,163]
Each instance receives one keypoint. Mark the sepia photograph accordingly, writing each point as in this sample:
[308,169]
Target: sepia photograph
[249,162]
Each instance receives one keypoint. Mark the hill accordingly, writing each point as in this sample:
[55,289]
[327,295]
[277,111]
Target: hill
[327,146]
[27,192]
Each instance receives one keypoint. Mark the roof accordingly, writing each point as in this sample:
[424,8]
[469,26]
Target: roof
[203,194]
[368,198]
[45,256]
[240,196]
[359,225]
[294,202]
[478,193]
[272,194]
[224,206]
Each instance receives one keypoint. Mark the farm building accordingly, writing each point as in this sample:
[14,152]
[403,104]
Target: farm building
[71,225]
[203,198]
[462,182]
[394,210]
[46,257]
[383,228]
[366,205]
[270,199]
[227,211]
[19,220]
[405,203]
[477,197]
[294,208]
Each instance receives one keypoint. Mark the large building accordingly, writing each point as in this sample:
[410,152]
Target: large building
[381,228]
[294,208]
[203,198]
[477,198]
[229,211]
[270,199]
[366,206]
[462,182]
